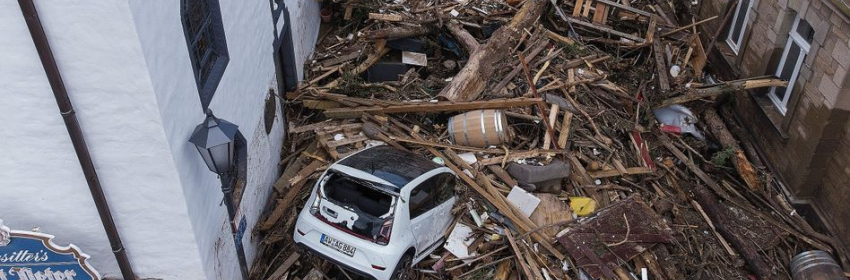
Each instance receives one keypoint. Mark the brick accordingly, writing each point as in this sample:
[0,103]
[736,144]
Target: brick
[821,30]
[840,75]
[841,53]
[835,19]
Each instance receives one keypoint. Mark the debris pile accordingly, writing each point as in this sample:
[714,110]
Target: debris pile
[584,132]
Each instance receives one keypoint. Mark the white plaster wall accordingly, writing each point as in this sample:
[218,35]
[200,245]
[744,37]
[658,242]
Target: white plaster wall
[305,20]
[42,185]
[238,99]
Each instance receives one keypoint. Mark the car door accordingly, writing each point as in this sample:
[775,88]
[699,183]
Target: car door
[421,201]
[445,199]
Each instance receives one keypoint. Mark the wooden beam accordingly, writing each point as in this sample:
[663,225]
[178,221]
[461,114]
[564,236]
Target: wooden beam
[661,65]
[385,17]
[606,30]
[431,107]
[471,81]
[614,172]
[627,8]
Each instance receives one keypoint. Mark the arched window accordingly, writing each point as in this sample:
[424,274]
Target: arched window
[204,32]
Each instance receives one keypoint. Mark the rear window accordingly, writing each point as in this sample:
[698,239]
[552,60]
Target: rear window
[359,195]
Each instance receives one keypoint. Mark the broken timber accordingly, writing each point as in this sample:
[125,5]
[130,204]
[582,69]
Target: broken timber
[430,107]
[470,81]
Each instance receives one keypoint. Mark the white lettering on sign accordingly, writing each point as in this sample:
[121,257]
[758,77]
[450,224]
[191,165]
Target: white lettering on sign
[46,274]
[23,256]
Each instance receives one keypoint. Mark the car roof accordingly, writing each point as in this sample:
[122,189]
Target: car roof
[393,165]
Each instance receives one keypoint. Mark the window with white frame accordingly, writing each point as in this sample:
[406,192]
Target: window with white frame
[739,24]
[796,49]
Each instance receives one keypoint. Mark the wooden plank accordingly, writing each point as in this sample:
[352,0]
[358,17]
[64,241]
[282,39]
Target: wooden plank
[340,59]
[346,141]
[650,31]
[607,30]
[519,257]
[514,156]
[302,175]
[385,17]
[558,37]
[502,175]
[278,273]
[290,196]
[627,8]
[553,115]
[431,107]
[661,65]
[349,11]
[577,9]
[564,135]
[614,172]
[586,11]
[599,14]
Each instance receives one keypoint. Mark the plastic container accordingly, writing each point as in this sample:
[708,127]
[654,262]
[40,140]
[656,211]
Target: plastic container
[481,128]
[325,13]
[815,265]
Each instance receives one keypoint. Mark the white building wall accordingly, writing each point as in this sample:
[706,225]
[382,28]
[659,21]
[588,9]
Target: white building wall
[101,60]
[239,99]
[126,67]
[305,20]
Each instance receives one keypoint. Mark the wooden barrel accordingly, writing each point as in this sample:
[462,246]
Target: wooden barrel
[815,265]
[481,128]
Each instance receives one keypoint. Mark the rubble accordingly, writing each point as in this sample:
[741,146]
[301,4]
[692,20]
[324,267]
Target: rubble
[576,83]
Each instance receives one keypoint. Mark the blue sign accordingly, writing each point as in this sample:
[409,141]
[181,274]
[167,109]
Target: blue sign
[33,256]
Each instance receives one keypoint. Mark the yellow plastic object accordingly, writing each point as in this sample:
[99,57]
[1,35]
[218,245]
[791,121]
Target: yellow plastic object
[582,206]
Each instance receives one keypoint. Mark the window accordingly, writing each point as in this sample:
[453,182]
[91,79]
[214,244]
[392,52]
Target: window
[204,32]
[739,25]
[796,49]
[423,197]
[447,184]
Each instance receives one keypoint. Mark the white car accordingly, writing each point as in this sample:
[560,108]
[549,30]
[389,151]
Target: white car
[378,212]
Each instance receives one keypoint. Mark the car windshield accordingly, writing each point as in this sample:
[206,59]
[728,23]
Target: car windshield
[357,194]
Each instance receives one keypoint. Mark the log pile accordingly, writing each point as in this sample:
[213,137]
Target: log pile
[578,82]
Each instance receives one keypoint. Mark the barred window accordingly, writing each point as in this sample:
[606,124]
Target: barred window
[204,32]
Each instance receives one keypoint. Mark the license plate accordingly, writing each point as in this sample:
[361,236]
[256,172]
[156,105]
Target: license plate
[338,245]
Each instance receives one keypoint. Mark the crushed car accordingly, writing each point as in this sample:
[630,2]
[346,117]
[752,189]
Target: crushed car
[378,212]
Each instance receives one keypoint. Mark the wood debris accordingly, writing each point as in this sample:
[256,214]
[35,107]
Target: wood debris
[578,82]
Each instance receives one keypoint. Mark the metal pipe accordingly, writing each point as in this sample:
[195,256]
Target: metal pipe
[66,109]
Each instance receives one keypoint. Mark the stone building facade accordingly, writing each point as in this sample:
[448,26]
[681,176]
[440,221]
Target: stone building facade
[803,131]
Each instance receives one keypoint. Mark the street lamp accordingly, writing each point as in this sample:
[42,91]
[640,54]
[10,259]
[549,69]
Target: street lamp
[215,140]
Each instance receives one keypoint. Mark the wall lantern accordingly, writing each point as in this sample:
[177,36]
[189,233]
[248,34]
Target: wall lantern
[214,139]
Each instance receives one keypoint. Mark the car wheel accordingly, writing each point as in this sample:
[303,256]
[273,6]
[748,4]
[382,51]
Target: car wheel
[404,271]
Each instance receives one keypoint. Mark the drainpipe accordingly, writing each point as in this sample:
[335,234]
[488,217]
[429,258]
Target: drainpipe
[66,109]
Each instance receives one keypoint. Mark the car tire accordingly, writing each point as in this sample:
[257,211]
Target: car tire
[404,269]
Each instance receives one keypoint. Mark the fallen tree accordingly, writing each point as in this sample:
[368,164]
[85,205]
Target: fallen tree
[469,83]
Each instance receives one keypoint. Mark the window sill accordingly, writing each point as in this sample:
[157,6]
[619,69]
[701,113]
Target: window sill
[770,112]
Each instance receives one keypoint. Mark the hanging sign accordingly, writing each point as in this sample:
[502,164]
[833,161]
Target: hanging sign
[26,255]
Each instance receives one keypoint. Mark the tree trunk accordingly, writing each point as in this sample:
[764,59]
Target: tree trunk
[463,37]
[742,164]
[747,248]
[470,82]
[396,32]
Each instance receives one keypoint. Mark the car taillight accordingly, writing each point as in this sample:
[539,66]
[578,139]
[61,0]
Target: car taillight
[314,208]
[378,267]
[385,232]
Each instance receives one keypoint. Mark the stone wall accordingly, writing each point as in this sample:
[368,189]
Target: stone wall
[808,146]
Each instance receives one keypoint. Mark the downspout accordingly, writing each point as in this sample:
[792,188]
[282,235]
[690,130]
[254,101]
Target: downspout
[66,109]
